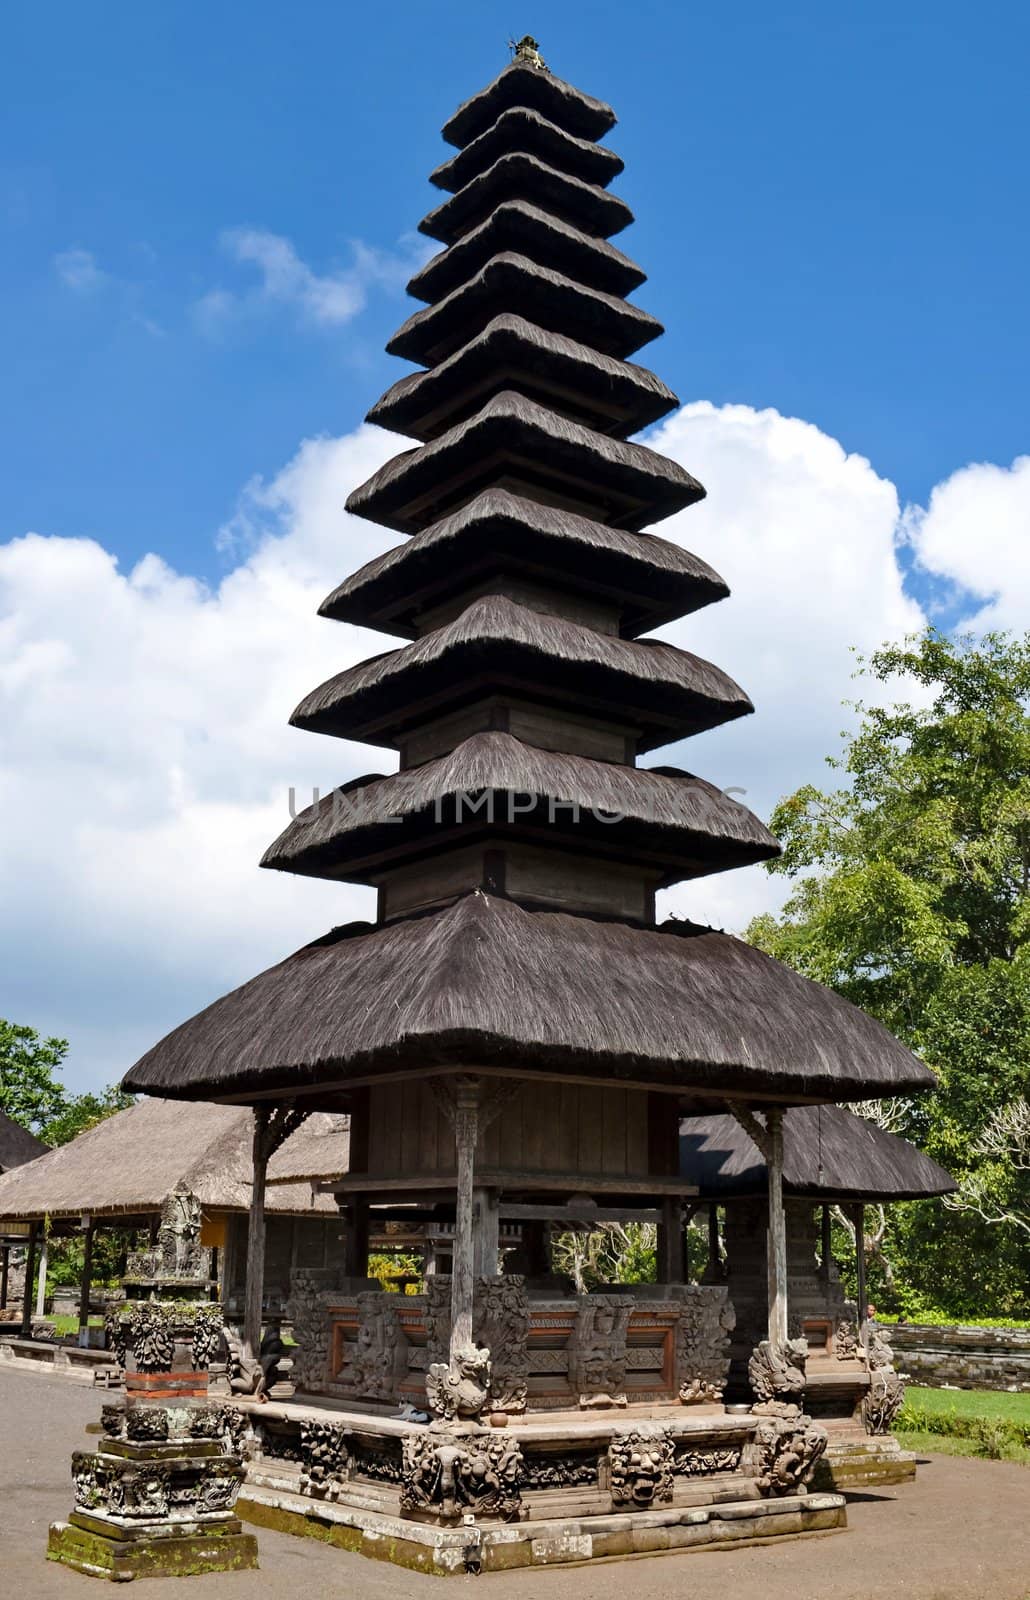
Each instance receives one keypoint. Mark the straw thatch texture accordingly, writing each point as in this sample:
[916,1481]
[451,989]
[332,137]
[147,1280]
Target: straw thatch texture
[828,1154]
[511,282]
[653,579]
[523,129]
[127,1165]
[486,983]
[667,691]
[528,231]
[522,177]
[627,484]
[17,1144]
[615,397]
[666,812]
[522,85]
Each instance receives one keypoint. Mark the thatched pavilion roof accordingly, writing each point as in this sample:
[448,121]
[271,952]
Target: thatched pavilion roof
[129,1163]
[523,85]
[829,1153]
[485,983]
[521,129]
[17,1144]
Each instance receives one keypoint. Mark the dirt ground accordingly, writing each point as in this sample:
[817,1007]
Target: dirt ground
[962,1530]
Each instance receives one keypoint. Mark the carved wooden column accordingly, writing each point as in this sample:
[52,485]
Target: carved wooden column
[5,1266]
[466,1133]
[30,1270]
[858,1219]
[777,1259]
[272,1127]
[86,1282]
[44,1256]
[714,1258]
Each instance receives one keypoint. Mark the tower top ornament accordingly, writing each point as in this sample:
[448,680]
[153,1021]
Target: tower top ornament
[527,49]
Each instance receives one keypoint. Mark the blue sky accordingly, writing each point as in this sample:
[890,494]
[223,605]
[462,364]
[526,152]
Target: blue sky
[832,207]
[207,217]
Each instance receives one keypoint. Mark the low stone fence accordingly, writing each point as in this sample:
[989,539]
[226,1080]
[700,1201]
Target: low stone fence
[963,1357]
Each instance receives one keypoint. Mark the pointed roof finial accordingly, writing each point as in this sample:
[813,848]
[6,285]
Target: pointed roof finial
[526,49]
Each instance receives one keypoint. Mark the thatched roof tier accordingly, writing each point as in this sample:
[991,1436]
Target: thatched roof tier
[522,177]
[828,1154]
[129,1163]
[613,397]
[513,443]
[497,533]
[664,817]
[17,1144]
[486,984]
[521,129]
[661,691]
[521,85]
[543,238]
[510,282]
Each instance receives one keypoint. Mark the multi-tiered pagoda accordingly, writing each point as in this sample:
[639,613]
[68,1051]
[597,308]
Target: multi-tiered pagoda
[516,1037]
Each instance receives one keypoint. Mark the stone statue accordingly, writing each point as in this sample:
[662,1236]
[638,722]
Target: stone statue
[597,1350]
[787,1446]
[526,49]
[179,1254]
[459,1391]
[778,1371]
[453,1476]
[886,1393]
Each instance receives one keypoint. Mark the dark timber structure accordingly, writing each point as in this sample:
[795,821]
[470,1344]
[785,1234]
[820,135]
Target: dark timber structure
[515,1036]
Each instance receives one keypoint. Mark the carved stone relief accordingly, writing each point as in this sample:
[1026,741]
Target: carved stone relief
[460,1389]
[451,1474]
[179,1252]
[323,1456]
[380,1350]
[640,1463]
[706,1320]
[786,1447]
[597,1350]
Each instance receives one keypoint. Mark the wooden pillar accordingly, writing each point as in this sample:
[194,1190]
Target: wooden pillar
[86,1281]
[30,1272]
[41,1290]
[777,1238]
[487,1232]
[826,1248]
[669,1254]
[5,1267]
[254,1294]
[355,1240]
[858,1218]
[463,1270]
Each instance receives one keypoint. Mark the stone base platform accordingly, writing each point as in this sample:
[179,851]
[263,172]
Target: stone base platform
[557,1541]
[84,1545]
[854,1459]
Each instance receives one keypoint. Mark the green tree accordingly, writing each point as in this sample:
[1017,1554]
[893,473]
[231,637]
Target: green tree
[29,1091]
[82,1111]
[912,898]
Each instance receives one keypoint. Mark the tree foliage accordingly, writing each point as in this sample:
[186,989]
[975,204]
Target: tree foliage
[32,1094]
[911,896]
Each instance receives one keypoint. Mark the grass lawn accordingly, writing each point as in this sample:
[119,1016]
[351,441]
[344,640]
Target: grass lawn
[970,1403]
[966,1422]
[70,1324]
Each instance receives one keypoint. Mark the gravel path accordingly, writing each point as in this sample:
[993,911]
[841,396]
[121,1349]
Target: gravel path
[960,1532]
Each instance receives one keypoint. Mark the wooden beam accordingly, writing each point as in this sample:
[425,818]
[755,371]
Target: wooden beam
[487,1233]
[777,1240]
[669,1255]
[757,1131]
[30,1271]
[527,1211]
[355,1240]
[714,1254]
[384,1183]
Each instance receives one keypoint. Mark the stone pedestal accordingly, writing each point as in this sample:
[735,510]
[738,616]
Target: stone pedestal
[158,1497]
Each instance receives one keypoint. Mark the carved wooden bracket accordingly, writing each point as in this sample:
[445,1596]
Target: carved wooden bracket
[752,1125]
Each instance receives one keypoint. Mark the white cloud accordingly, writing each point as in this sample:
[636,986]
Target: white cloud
[146,758]
[79,271]
[286,281]
[975,535]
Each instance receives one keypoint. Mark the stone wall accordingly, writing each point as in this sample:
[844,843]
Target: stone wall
[963,1357]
